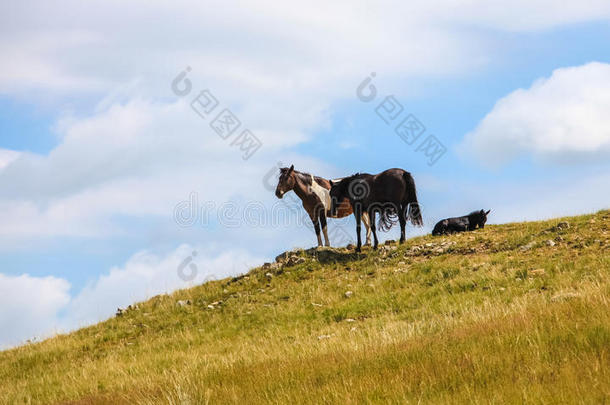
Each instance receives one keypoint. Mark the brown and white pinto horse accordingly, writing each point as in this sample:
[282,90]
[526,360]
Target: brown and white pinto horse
[314,193]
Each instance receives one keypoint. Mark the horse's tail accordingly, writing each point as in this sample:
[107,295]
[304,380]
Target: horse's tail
[388,216]
[413,210]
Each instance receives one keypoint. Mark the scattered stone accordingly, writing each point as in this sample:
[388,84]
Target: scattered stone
[122,311]
[210,306]
[322,337]
[350,246]
[183,303]
[271,266]
[413,251]
[282,258]
[558,238]
[316,305]
[294,260]
[502,289]
[527,246]
[563,225]
[390,242]
[348,294]
[269,275]
[350,320]
[550,243]
[429,244]
[353,329]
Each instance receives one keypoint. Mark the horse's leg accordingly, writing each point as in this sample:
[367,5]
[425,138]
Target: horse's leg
[358,215]
[367,226]
[315,218]
[373,227]
[324,227]
[402,218]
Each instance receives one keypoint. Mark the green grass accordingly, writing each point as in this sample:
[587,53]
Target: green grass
[480,320]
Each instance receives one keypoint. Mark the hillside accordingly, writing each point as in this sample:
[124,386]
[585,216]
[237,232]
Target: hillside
[512,313]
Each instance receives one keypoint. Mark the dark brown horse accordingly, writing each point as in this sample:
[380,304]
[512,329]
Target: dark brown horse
[314,193]
[390,193]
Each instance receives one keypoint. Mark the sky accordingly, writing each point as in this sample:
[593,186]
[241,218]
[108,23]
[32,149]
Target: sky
[120,179]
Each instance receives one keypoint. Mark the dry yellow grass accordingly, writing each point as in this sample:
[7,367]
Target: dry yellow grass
[480,320]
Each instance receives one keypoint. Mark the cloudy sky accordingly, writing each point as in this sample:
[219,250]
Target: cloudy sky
[115,187]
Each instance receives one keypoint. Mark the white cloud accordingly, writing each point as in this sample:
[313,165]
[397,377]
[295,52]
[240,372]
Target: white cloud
[7,157]
[245,49]
[29,306]
[129,161]
[563,118]
[249,49]
[38,307]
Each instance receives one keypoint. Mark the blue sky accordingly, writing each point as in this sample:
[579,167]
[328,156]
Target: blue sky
[96,151]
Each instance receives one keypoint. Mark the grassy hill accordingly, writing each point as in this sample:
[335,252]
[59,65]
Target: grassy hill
[512,313]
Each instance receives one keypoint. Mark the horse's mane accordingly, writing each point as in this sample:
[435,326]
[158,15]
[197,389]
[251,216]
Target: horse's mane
[306,176]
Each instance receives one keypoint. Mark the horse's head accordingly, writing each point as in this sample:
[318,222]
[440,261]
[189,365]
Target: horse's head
[338,192]
[286,181]
[483,217]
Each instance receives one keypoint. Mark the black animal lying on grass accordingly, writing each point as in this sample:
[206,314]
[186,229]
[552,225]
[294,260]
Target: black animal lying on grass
[468,222]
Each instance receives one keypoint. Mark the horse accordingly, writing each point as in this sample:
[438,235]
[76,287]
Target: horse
[464,223]
[391,193]
[314,193]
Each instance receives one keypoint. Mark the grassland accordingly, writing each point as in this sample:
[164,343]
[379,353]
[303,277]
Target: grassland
[515,313]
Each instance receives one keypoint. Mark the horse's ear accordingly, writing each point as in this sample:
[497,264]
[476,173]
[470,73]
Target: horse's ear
[488,211]
[291,169]
[331,183]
